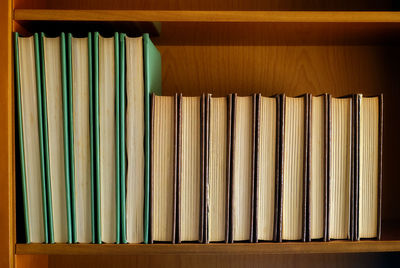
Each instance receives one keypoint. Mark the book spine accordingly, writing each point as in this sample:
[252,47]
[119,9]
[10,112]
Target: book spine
[45,196]
[233,125]
[206,237]
[151,179]
[256,152]
[228,169]
[380,170]
[71,138]
[254,175]
[308,200]
[66,134]
[327,162]
[117,140]
[43,117]
[92,140]
[97,134]
[357,173]
[278,101]
[306,170]
[354,167]
[152,83]
[20,138]
[122,112]
[281,163]
[202,165]
[178,167]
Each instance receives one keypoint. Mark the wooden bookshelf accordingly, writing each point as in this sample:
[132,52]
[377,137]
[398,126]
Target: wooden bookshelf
[390,243]
[208,16]
[209,249]
[237,27]
[339,47]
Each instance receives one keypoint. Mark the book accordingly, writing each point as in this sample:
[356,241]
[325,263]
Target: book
[294,167]
[266,182]
[132,139]
[55,129]
[242,176]
[341,169]
[217,168]
[81,137]
[320,130]
[152,84]
[112,160]
[106,124]
[163,168]
[368,162]
[30,137]
[140,76]
[190,176]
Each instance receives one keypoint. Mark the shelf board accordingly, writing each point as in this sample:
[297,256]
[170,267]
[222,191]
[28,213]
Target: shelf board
[209,249]
[207,16]
[222,27]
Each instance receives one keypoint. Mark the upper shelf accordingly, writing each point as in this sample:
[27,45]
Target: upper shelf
[208,16]
[222,27]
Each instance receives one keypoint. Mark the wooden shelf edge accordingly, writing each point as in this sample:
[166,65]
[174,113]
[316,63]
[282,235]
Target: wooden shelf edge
[209,249]
[207,16]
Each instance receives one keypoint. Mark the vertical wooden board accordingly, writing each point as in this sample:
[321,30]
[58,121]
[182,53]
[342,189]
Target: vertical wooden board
[6,138]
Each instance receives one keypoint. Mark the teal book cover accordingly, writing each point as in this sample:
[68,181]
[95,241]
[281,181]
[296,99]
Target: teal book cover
[71,137]
[122,136]
[65,137]
[152,84]
[21,134]
[97,136]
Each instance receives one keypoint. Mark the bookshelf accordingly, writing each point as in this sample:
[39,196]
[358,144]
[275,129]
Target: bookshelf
[211,249]
[223,47]
[207,16]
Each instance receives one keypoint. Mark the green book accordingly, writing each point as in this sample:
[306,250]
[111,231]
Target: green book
[107,135]
[122,70]
[152,84]
[30,137]
[140,75]
[80,96]
[55,133]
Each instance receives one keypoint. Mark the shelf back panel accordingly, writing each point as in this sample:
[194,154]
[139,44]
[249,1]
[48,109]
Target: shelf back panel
[294,70]
[211,4]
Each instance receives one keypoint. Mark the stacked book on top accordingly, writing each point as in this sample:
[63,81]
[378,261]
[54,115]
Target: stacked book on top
[104,161]
[265,168]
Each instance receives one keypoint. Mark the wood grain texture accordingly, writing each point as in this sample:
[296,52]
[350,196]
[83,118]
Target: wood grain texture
[28,261]
[7,218]
[212,5]
[270,70]
[339,70]
[236,261]
[210,249]
[233,33]
[224,69]
[205,16]
[274,33]
[220,56]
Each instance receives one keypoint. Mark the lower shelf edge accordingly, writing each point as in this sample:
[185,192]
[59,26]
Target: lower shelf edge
[209,249]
